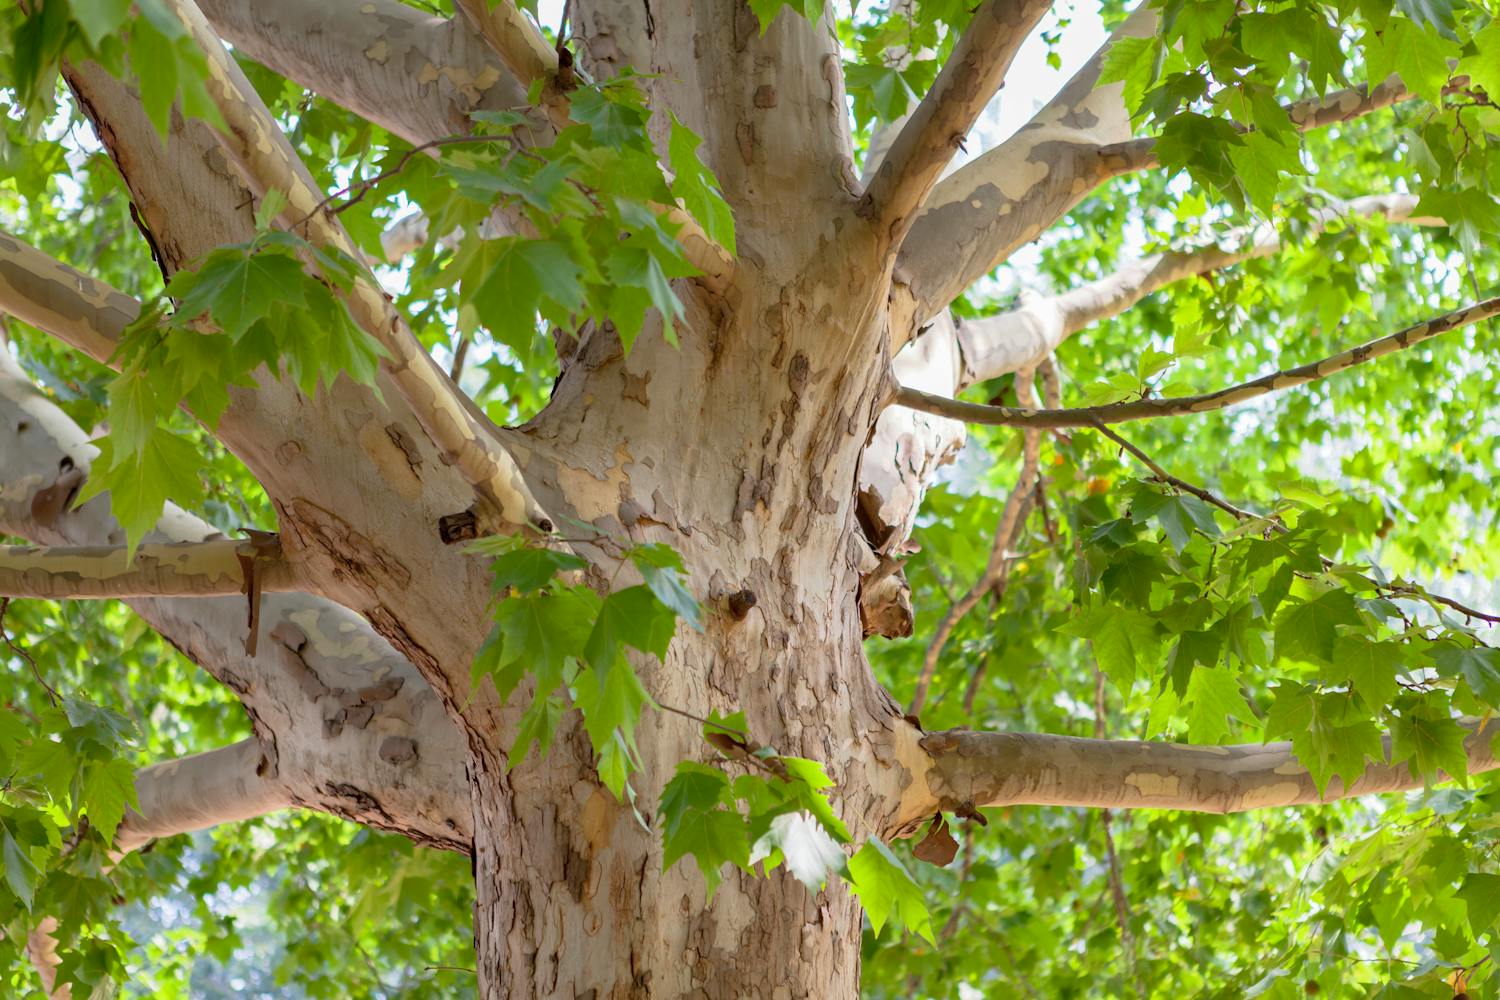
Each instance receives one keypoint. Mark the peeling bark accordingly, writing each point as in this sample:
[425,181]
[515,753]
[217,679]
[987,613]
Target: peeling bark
[158,569]
[952,769]
[910,445]
[935,130]
[344,724]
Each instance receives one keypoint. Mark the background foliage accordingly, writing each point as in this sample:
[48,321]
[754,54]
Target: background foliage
[1205,629]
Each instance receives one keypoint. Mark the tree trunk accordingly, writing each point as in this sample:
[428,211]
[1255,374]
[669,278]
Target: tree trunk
[738,452]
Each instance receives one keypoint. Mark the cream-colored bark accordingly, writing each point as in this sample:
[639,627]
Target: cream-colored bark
[198,792]
[158,569]
[936,128]
[952,769]
[267,163]
[346,725]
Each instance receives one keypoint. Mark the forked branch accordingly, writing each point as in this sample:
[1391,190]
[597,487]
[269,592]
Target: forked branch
[936,129]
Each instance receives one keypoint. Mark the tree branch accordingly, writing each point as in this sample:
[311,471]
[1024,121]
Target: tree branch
[960,767]
[523,50]
[362,58]
[346,725]
[1333,108]
[936,129]
[995,345]
[978,216]
[415,75]
[85,314]
[215,568]
[268,162]
[1144,409]
[194,793]
[908,446]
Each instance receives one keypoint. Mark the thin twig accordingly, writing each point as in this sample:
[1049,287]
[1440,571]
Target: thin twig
[1182,484]
[1012,516]
[459,354]
[1144,409]
[358,189]
[25,654]
[1116,878]
[1409,591]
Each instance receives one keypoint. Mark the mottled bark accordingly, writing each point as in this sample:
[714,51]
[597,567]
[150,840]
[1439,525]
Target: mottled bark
[157,569]
[741,448]
[936,128]
[957,768]
[344,723]
[194,793]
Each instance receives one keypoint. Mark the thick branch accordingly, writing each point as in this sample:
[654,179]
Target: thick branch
[215,568]
[996,345]
[345,724]
[194,793]
[936,129]
[415,75]
[979,216]
[1144,409]
[1010,769]
[83,313]
[520,47]
[268,162]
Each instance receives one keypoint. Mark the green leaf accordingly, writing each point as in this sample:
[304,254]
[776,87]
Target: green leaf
[21,873]
[1179,516]
[1309,628]
[107,789]
[536,634]
[1368,667]
[1479,666]
[611,698]
[695,822]
[1213,698]
[1134,62]
[139,486]
[238,288]
[633,617]
[99,19]
[1483,67]
[1436,13]
[1122,638]
[661,567]
[766,10]
[887,891]
[698,188]
[1481,895]
[1430,742]
[528,569]
[1418,54]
